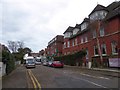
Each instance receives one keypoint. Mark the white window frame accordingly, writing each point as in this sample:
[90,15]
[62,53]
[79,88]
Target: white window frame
[73,42]
[113,45]
[86,39]
[94,34]
[68,43]
[76,41]
[64,44]
[103,46]
[95,51]
[102,32]
[82,40]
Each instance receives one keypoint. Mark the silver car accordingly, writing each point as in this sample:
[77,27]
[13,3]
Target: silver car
[30,63]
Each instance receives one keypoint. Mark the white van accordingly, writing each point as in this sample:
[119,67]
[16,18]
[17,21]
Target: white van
[30,62]
[37,60]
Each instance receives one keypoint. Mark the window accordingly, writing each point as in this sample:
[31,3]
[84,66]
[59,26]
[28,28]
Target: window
[68,43]
[83,26]
[75,31]
[103,49]
[55,43]
[81,40]
[73,43]
[76,41]
[64,44]
[98,15]
[94,34]
[86,39]
[114,47]
[67,35]
[101,31]
[87,54]
[95,50]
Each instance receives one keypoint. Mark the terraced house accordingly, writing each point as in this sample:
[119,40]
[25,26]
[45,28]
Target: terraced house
[98,35]
[54,47]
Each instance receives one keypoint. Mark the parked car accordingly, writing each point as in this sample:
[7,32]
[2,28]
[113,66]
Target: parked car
[45,63]
[50,63]
[57,64]
[37,61]
[30,62]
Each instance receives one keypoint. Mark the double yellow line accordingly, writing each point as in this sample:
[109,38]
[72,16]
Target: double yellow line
[35,82]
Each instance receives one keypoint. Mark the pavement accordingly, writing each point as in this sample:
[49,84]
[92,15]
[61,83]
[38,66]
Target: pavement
[100,69]
[115,72]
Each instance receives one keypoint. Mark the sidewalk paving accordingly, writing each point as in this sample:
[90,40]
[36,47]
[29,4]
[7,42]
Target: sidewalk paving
[116,70]
[104,69]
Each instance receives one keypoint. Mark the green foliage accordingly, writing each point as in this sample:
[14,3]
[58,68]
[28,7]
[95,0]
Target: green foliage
[71,59]
[5,56]
[97,63]
[8,59]
[21,52]
[10,65]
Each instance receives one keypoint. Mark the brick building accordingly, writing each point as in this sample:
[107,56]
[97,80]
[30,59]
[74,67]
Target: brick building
[98,34]
[54,47]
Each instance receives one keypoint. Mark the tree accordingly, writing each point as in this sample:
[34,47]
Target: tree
[27,50]
[21,52]
[20,44]
[14,45]
[7,58]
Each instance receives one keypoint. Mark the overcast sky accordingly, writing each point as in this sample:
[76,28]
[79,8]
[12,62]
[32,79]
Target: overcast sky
[36,22]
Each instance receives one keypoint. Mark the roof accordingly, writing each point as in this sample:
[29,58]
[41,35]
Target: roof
[77,26]
[114,10]
[113,5]
[98,8]
[69,29]
[85,20]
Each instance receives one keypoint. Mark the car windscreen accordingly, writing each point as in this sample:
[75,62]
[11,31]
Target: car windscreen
[38,60]
[30,61]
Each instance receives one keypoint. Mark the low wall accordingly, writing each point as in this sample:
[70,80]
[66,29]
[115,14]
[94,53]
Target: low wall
[2,69]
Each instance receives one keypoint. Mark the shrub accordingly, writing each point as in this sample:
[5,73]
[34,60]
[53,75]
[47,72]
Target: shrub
[71,59]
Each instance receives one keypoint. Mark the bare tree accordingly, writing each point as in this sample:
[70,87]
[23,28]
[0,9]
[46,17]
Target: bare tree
[14,45]
[20,44]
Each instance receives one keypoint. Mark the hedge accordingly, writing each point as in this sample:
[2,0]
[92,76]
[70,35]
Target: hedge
[72,59]
[7,58]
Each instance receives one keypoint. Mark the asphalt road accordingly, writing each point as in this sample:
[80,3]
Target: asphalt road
[67,77]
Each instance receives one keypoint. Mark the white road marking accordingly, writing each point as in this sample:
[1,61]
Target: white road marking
[91,82]
[94,76]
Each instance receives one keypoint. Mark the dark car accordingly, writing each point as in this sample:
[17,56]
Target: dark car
[57,64]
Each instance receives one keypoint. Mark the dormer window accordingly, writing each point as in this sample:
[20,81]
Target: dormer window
[84,26]
[98,15]
[67,34]
[75,31]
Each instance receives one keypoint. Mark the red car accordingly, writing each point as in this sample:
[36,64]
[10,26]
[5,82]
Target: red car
[57,64]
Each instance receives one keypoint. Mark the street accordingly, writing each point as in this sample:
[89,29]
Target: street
[67,77]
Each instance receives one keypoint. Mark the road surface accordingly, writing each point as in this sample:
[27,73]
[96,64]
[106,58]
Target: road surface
[67,77]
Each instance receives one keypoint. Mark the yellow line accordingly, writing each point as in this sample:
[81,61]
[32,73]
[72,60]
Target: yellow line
[32,79]
[39,86]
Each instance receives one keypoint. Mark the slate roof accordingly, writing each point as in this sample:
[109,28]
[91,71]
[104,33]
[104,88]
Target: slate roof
[98,8]
[69,29]
[85,20]
[114,10]
[113,5]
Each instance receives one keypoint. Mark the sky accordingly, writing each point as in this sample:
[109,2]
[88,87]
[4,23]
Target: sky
[36,22]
